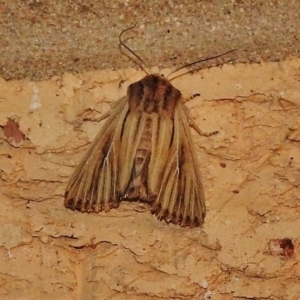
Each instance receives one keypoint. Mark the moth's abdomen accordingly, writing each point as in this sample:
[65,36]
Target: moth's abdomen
[137,188]
[151,158]
[144,147]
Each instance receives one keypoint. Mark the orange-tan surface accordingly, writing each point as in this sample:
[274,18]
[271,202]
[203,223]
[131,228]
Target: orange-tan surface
[248,247]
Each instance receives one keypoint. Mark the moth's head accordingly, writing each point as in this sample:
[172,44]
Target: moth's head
[153,94]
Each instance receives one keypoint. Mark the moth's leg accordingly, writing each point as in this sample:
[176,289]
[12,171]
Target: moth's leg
[108,113]
[193,124]
[199,131]
[193,97]
[78,122]
[104,116]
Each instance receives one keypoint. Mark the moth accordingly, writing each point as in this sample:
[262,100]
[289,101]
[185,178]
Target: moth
[143,152]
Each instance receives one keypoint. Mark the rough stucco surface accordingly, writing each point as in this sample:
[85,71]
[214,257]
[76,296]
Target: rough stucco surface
[249,245]
[43,38]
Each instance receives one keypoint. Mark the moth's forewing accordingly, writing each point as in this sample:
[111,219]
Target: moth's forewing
[181,197]
[93,185]
[144,151]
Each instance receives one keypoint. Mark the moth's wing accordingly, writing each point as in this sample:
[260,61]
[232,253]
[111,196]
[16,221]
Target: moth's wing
[94,183]
[181,195]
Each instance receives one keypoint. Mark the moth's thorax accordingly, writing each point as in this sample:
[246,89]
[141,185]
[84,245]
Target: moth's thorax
[153,94]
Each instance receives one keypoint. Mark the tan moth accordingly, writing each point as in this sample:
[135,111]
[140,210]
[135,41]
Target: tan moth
[143,152]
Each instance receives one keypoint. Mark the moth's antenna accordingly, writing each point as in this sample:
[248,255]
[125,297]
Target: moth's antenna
[199,61]
[132,52]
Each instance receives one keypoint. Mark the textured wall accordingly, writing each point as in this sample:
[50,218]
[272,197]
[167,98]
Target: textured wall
[39,39]
[249,245]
